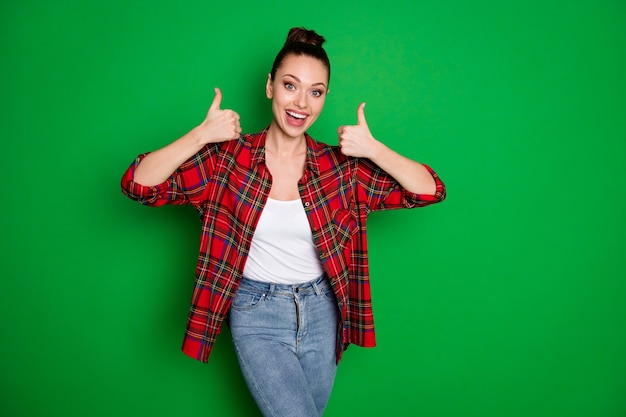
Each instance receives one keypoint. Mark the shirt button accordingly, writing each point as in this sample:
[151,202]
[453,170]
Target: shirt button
[307,204]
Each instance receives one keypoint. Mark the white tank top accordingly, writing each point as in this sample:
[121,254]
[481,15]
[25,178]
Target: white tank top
[282,250]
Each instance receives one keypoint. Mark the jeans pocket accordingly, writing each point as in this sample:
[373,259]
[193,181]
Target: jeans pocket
[247,300]
[328,293]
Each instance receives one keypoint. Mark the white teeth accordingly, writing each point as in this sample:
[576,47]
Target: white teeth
[296,115]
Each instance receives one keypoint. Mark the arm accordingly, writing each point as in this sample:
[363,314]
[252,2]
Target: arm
[411,175]
[218,126]
[358,141]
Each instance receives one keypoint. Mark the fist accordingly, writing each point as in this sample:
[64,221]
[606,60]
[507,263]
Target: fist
[219,125]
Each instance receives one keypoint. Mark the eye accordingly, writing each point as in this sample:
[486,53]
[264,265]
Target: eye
[317,93]
[290,86]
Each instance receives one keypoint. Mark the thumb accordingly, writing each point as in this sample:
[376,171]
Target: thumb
[361,115]
[217,100]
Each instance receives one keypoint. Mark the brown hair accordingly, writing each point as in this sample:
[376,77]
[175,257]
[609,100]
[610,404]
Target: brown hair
[301,41]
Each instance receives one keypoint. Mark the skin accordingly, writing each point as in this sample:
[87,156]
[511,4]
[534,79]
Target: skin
[300,86]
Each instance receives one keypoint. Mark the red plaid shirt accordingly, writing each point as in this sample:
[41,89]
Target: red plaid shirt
[229,183]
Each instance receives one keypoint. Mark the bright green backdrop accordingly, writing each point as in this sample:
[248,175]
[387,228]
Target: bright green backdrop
[506,300]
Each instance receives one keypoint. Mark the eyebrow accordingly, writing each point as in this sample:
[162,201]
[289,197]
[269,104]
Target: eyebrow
[298,80]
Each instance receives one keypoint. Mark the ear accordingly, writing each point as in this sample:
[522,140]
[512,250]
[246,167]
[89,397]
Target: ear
[269,87]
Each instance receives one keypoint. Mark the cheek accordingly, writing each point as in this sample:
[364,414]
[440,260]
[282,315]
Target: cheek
[277,106]
[275,100]
[278,98]
[319,104]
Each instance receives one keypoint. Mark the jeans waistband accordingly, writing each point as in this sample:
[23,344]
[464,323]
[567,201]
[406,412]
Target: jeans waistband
[314,286]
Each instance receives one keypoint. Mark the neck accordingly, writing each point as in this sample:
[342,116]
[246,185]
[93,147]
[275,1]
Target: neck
[280,143]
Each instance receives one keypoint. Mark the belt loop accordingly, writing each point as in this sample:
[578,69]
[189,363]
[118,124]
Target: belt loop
[270,290]
[317,288]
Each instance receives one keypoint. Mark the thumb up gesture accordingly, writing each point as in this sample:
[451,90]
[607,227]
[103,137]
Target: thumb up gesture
[219,125]
[357,140]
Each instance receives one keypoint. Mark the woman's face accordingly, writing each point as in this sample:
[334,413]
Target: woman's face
[298,93]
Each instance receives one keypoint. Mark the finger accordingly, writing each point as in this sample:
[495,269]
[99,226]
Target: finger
[217,100]
[361,115]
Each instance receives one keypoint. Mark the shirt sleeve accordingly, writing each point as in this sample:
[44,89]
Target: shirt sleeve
[186,185]
[378,190]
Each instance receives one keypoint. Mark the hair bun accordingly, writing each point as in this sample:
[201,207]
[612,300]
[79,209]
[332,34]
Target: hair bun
[303,35]
[301,41]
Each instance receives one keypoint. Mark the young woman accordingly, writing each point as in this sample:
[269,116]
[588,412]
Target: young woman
[283,253]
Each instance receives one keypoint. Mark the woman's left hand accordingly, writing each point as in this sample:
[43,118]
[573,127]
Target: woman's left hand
[357,140]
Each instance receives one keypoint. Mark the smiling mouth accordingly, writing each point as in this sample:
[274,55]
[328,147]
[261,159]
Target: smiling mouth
[296,119]
[295,115]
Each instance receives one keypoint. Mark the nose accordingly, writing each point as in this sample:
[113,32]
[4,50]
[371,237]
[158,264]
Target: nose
[300,99]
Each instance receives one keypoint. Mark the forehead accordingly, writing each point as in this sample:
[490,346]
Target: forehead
[307,69]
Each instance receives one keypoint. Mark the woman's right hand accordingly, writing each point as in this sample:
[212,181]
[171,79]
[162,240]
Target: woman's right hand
[219,125]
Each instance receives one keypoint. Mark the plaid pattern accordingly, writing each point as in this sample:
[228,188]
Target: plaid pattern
[229,184]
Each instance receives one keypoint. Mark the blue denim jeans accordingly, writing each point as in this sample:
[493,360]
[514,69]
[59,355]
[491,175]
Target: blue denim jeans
[285,337]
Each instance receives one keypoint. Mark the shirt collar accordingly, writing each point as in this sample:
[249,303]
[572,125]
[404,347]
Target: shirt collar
[258,151]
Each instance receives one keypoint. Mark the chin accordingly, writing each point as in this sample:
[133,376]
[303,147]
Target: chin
[293,131]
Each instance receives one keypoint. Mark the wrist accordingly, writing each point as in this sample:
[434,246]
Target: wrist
[377,150]
[196,139]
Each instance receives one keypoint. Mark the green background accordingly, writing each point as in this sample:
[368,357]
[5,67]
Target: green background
[508,299]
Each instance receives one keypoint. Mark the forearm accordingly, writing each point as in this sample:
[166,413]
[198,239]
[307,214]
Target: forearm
[411,175]
[218,126]
[357,141]
[157,166]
